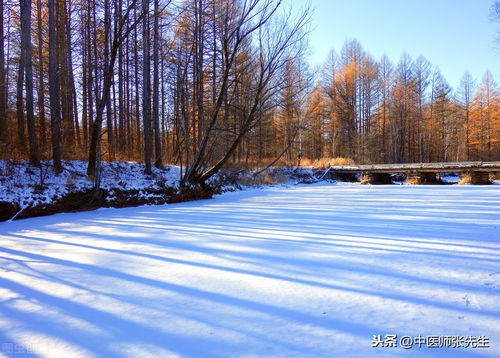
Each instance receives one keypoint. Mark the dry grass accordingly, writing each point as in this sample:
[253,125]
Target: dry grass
[365,179]
[253,163]
[268,179]
[262,179]
[323,163]
[246,180]
[465,179]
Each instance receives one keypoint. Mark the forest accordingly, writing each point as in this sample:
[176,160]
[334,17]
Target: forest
[212,84]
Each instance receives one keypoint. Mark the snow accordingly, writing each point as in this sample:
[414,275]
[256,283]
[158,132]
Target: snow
[305,271]
[28,185]
[450,179]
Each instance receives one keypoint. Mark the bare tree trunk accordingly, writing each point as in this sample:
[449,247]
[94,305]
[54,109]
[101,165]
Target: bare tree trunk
[89,68]
[21,123]
[121,112]
[109,122]
[146,87]
[97,75]
[156,87]
[28,66]
[165,130]
[68,127]
[199,68]
[85,126]
[55,111]
[85,74]
[41,85]
[3,85]
[129,141]
[137,97]
[71,79]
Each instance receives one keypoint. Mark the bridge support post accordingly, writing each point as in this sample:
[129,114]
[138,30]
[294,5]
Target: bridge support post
[376,178]
[421,178]
[343,176]
[475,177]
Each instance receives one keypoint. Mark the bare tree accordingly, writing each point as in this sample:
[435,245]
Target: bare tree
[277,43]
[146,86]
[41,74]
[63,64]
[465,97]
[422,70]
[26,63]
[156,85]
[21,122]
[107,39]
[121,85]
[121,30]
[3,84]
[54,90]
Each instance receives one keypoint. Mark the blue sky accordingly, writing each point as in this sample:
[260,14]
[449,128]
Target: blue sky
[455,35]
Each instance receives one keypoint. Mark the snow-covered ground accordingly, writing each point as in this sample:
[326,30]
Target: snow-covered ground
[28,185]
[305,271]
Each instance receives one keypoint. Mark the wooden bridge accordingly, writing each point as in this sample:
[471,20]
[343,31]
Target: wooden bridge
[416,173]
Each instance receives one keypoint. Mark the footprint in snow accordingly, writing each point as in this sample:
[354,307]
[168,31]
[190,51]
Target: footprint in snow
[495,282]
[471,301]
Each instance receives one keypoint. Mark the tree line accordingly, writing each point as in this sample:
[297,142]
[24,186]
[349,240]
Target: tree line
[378,111]
[207,84]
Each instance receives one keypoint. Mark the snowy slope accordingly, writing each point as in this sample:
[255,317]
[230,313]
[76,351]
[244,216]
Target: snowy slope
[308,271]
[28,185]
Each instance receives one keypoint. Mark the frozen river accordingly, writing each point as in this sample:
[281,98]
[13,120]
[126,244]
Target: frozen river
[306,271]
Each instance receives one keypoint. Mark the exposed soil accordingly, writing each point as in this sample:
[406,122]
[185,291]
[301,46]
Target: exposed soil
[89,200]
